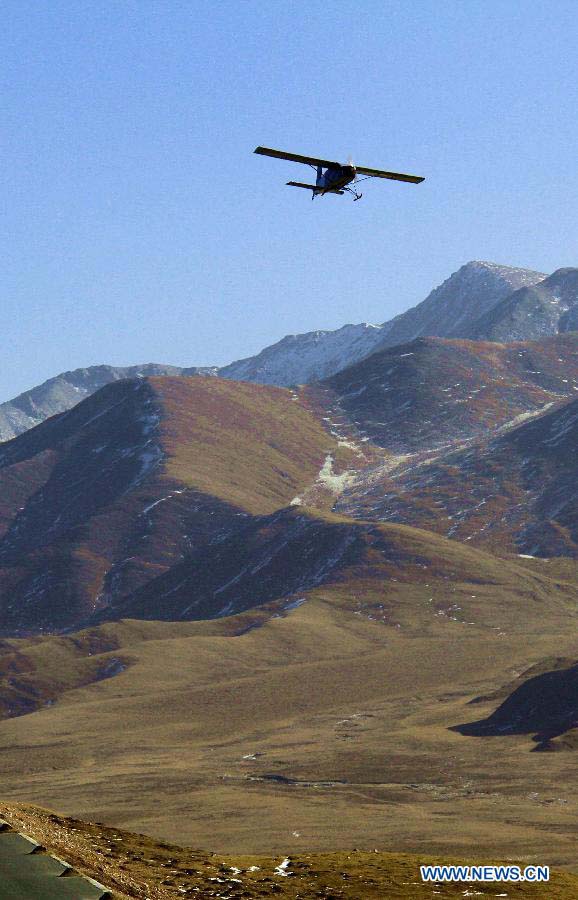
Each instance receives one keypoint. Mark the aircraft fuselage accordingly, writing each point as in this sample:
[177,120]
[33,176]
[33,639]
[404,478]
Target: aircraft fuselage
[334,178]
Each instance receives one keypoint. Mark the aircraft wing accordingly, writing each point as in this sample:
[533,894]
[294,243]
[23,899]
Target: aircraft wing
[394,176]
[295,157]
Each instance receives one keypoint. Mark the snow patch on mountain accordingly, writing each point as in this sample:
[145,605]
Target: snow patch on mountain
[301,358]
[327,477]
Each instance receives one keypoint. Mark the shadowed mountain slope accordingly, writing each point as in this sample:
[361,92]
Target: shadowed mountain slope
[434,391]
[102,498]
[517,491]
[172,497]
[394,576]
[287,555]
[544,705]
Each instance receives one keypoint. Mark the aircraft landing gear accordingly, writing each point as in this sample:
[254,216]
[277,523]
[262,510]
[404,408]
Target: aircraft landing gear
[356,195]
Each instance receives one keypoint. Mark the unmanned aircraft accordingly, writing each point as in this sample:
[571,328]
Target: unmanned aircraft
[336,178]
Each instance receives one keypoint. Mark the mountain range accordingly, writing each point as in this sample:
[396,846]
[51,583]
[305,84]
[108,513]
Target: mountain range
[481,301]
[221,594]
[168,497]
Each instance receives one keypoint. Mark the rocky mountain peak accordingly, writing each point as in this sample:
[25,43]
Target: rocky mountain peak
[533,311]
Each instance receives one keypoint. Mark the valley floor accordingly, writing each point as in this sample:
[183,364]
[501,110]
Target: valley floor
[317,728]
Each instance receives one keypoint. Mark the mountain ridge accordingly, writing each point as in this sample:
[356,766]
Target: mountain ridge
[475,287]
[65,390]
[451,309]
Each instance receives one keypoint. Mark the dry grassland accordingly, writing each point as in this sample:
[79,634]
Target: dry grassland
[318,728]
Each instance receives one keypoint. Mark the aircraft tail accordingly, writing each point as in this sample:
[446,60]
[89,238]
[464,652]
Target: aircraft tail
[309,187]
[313,187]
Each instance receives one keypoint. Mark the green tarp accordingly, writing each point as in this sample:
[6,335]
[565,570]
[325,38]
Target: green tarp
[29,875]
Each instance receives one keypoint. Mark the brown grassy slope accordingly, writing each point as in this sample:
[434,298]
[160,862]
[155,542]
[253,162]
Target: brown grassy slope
[133,865]
[324,728]
[34,673]
[253,446]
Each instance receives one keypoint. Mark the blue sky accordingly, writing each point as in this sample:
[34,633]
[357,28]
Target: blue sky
[137,225]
